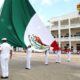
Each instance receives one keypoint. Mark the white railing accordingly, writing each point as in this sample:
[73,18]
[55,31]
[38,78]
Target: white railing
[72,26]
[54,28]
[65,26]
[75,25]
[77,38]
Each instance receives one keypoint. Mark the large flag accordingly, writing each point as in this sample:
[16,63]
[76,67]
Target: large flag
[22,26]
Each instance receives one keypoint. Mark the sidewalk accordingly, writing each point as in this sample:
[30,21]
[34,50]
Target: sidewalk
[40,71]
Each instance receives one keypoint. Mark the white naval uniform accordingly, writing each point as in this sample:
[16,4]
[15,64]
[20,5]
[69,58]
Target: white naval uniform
[46,56]
[28,58]
[69,56]
[4,57]
[58,56]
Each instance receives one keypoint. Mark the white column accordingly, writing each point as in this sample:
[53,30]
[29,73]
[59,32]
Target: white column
[59,33]
[69,33]
[50,27]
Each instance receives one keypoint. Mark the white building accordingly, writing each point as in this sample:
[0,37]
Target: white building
[66,30]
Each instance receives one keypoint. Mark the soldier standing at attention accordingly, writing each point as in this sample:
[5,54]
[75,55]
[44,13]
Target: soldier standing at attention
[28,58]
[5,55]
[69,54]
[46,56]
[58,56]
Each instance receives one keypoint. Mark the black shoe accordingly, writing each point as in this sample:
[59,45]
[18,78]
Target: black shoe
[4,77]
[58,62]
[27,68]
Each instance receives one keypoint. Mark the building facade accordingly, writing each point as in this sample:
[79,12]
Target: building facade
[66,30]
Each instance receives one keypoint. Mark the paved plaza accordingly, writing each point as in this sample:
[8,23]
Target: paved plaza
[40,71]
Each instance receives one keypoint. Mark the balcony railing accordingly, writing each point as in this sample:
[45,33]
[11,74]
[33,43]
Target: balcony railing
[77,38]
[71,26]
[54,28]
[75,25]
[65,26]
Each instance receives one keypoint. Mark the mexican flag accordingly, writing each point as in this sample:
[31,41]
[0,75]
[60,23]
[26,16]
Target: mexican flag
[21,25]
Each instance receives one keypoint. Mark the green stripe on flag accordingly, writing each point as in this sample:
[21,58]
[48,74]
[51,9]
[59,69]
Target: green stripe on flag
[14,18]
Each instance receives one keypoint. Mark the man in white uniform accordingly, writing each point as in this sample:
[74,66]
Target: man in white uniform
[28,58]
[57,50]
[46,56]
[5,55]
[68,55]
[58,56]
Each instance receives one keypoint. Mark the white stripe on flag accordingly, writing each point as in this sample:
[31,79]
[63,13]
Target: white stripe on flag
[36,27]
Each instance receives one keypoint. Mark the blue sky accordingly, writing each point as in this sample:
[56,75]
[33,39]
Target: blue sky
[47,9]
[53,8]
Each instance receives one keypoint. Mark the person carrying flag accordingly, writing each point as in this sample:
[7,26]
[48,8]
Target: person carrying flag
[57,50]
[58,56]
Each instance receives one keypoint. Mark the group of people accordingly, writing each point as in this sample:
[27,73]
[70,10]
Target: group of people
[47,51]
[6,55]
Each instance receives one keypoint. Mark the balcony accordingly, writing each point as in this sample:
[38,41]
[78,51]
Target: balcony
[77,38]
[71,26]
[54,28]
[75,25]
[66,26]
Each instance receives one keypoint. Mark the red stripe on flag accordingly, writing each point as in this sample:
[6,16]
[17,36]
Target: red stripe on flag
[55,46]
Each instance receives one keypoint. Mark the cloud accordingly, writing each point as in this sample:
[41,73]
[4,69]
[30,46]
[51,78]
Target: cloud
[46,2]
[50,2]
[68,1]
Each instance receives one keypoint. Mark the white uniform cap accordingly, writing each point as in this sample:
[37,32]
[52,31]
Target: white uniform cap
[4,39]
